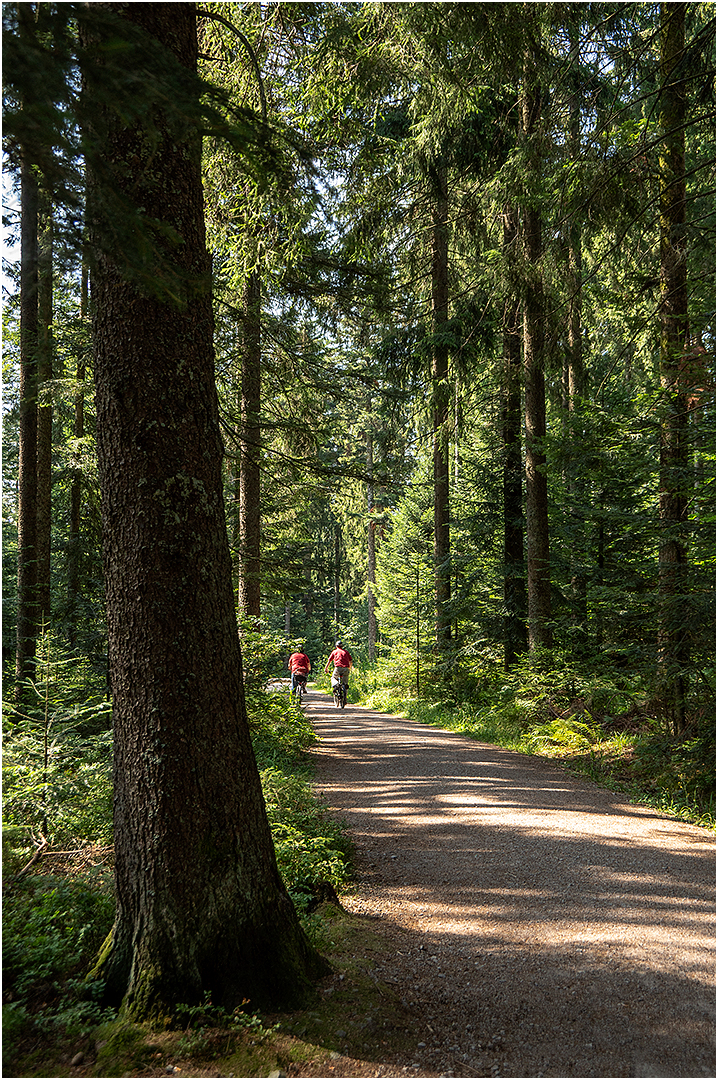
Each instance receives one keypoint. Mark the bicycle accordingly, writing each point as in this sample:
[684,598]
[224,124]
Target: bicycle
[300,687]
[339,690]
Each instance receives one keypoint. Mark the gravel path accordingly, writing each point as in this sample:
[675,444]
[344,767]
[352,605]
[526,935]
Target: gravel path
[538,926]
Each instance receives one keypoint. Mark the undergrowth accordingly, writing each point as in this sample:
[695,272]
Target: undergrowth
[57,795]
[312,849]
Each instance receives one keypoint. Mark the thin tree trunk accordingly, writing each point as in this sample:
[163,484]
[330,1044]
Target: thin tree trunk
[308,596]
[27,608]
[440,401]
[371,587]
[249,468]
[44,412]
[576,381]
[371,538]
[673,641]
[600,567]
[74,544]
[337,573]
[200,903]
[537,533]
[514,568]
[418,634]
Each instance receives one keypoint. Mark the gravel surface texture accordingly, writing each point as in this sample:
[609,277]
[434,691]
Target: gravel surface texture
[536,924]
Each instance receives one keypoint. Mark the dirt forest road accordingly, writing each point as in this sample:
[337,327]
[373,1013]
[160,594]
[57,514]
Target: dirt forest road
[537,925]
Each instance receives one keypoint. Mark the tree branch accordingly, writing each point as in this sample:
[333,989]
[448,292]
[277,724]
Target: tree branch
[250,51]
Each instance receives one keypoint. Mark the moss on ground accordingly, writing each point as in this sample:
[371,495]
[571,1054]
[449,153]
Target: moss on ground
[355,1024]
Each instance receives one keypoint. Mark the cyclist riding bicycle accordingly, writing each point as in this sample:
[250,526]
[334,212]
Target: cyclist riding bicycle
[342,661]
[300,666]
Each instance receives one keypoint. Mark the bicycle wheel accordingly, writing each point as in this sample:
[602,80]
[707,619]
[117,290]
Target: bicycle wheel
[343,695]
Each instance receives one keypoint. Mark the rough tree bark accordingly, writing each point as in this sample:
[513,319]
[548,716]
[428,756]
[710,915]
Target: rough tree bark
[200,903]
[249,462]
[673,643]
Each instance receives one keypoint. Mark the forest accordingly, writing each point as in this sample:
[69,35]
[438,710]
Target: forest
[391,323]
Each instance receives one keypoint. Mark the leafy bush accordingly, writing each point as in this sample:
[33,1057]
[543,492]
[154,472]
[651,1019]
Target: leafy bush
[562,732]
[281,733]
[71,798]
[264,652]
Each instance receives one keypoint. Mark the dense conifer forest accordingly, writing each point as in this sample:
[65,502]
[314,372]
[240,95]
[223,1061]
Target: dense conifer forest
[391,323]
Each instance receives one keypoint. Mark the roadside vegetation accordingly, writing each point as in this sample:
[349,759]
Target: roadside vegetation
[58,902]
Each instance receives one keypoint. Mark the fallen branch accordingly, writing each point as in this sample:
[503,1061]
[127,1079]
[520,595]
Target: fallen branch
[36,857]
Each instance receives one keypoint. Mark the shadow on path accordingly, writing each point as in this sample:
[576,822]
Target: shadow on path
[577,925]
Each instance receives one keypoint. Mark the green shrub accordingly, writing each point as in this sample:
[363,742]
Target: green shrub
[312,849]
[52,927]
[562,733]
[57,751]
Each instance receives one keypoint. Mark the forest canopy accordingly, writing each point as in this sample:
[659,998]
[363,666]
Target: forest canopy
[466,396]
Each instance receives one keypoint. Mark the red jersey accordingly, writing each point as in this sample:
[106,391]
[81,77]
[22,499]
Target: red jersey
[299,661]
[340,658]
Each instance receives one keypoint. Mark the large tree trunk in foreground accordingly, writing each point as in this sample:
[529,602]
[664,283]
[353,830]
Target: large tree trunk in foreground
[673,643]
[200,903]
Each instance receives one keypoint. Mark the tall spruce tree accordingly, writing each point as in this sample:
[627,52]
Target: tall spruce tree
[27,601]
[200,904]
[534,337]
[44,409]
[675,341]
[515,639]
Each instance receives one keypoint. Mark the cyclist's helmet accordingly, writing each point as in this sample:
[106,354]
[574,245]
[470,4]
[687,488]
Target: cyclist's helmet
[337,644]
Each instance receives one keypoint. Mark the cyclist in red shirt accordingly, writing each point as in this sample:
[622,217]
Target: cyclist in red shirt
[299,664]
[342,661]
